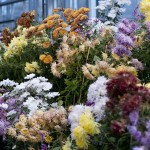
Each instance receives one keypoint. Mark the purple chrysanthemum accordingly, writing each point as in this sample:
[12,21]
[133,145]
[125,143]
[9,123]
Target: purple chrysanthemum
[137,64]
[133,116]
[89,103]
[142,137]
[121,50]
[125,37]
[44,146]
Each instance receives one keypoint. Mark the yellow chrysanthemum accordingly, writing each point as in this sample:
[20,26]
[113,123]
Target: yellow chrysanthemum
[48,139]
[21,138]
[145,9]
[148,85]
[32,67]
[88,123]
[15,47]
[123,68]
[115,56]
[104,56]
[24,131]
[81,137]
[67,146]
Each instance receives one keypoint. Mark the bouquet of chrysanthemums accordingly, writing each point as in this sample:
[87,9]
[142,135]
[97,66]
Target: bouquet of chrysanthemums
[71,83]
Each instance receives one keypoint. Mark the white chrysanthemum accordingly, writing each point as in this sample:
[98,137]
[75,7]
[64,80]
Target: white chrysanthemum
[97,89]
[12,112]
[8,83]
[30,76]
[52,95]
[4,106]
[34,104]
[112,13]
[97,94]
[124,2]
[111,8]
[75,113]
[24,95]
[32,94]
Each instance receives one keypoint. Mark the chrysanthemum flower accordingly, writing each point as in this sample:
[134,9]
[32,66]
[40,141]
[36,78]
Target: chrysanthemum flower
[81,137]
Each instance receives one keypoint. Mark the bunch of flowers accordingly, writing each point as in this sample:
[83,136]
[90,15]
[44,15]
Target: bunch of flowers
[15,47]
[26,19]
[58,27]
[125,97]
[6,36]
[125,37]
[32,67]
[84,118]
[18,43]
[123,90]
[83,125]
[39,127]
[99,115]
[97,97]
[108,67]
[142,137]
[71,48]
[29,95]
[111,10]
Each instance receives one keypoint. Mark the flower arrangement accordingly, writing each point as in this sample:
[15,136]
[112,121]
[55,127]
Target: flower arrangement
[101,99]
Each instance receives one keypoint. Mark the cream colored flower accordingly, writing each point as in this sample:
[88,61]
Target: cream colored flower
[23,118]
[12,132]
[82,48]
[86,73]
[21,138]
[54,70]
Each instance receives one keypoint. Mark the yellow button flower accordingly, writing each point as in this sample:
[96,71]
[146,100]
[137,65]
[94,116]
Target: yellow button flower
[48,139]
[46,44]
[47,59]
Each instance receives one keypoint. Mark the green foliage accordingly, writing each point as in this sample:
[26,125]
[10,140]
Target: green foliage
[142,53]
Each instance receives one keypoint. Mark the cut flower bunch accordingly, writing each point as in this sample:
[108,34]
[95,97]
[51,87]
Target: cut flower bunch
[72,83]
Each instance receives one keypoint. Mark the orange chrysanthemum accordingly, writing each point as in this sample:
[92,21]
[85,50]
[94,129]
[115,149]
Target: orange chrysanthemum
[47,59]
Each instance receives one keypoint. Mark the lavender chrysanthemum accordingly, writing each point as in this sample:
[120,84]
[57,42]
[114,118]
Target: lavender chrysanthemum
[137,64]
[133,116]
[125,39]
[142,137]
[121,50]
[44,147]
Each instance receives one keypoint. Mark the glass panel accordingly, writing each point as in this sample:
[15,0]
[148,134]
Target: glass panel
[66,3]
[82,3]
[10,25]
[61,3]
[13,11]
[130,10]
[18,8]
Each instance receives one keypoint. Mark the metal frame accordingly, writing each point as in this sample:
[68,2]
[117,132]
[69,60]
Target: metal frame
[7,21]
[10,2]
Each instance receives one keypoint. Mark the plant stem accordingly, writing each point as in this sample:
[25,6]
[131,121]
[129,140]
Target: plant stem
[83,76]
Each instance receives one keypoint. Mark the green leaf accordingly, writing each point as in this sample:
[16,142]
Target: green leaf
[60,103]
[96,58]
[112,139]
[57,148]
